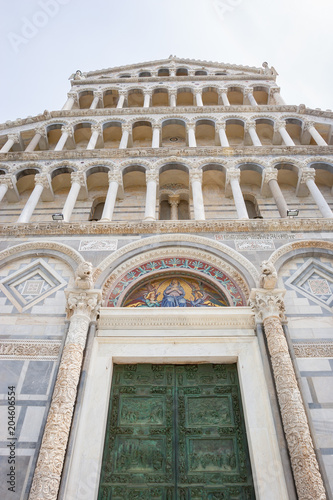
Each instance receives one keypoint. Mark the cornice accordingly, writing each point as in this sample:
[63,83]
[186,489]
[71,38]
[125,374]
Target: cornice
[166,79]
[159,227]
[165,152]
[105,112]
[215,319]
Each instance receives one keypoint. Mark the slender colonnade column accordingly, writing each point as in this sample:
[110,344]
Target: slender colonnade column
[151,181]
[126,129]
[251,127]
[95,132]
[72,97]
[39,133]
[271,179]
[250,96]
[121,100]
[98,96]
[41,182]
[11,140]
[308,176]
[198,98]
[82,308]
[269,307]
[198,204]
[191,135]
[6,182]
[221,127]
[115,180]
[174,202]
[147,98]
[78,179]
[156,136]
[281,127]
[224,97]
[173,98]
[66,132]
[233,176]
[315,134]
[277,97]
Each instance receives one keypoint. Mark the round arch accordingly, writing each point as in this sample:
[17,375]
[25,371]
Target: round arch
[300,249]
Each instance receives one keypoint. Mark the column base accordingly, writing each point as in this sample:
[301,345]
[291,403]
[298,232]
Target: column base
[149,219]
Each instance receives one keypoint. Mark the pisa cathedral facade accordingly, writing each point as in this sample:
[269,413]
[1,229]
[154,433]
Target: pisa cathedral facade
[162,187]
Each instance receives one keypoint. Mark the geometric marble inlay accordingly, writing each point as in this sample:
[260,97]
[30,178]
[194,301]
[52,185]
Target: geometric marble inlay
[313,280]
[31,284]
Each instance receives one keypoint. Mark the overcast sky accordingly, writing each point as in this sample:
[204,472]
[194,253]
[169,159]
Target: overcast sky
[44,41]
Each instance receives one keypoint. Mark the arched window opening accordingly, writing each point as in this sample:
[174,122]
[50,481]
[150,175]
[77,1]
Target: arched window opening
[97,210]
[85,99]
[144,74]
[163,72]
[205,133]
[185,97]
[220,73]
[160,97]
[294,129]
[54,134]
[112,133]
[261,95]
[210,96]
[82,134]
[173,133]
[110,99]
[235,132]
[200,72]
[135,98]
[235,96]
[127,75]
[142,134]
[181,72]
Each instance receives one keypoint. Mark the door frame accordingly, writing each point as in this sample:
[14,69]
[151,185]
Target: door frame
[230,338]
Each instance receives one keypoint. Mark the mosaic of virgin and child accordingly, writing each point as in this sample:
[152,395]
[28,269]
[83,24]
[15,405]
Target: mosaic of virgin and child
[175,292]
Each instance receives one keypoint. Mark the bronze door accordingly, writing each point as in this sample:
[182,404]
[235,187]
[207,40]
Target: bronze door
[175,432]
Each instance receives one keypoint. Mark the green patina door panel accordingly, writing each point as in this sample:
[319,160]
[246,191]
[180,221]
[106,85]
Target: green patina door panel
[175,433]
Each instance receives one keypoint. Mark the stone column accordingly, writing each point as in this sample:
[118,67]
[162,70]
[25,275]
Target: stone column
[78,180]
[156,136]
[66,132]
[198,204]
[277,97]
[82,308]
[251,128]
[224,97]
[115,180]
[39,133]
[174,202]
[307,177]
[233,176]
[98,96]
[315,134]
[221,127]
[147,98]
[6,182]
[173,97]
[191,135]
[198,97]
[126,129]
[271,179]
[11,140]
[95,132]
[269,307]
[121,100]
[281,127]
[250,96]
[72,97]
[41,182]
[151,181]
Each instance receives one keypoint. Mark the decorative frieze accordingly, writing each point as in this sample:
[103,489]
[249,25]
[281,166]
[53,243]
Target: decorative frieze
[314,350]
[98,245]
[29,349]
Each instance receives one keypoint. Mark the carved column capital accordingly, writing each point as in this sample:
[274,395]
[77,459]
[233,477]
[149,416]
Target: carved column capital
[7,180]
[270,174]
[79,177]
[14,137]
[173,92]
[43,180]
[126,127]
[83,303]
[308,124]
[96,127]
[248,124]
[248,90]
[267,304]
[98,93]
[148,92]
[221,126]
[278,124]
[307,174]
[233,173]
[223,91]
[274,90]
[152,175]
[196,175]
[67,129]
[190,126]
[122,92]
[115,175]
[72,95]
[41,131]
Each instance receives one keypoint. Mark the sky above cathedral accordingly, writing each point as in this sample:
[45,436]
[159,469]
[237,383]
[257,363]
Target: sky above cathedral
[44,41]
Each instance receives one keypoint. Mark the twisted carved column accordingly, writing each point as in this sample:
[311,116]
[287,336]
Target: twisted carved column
[82,306]
[269,307]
